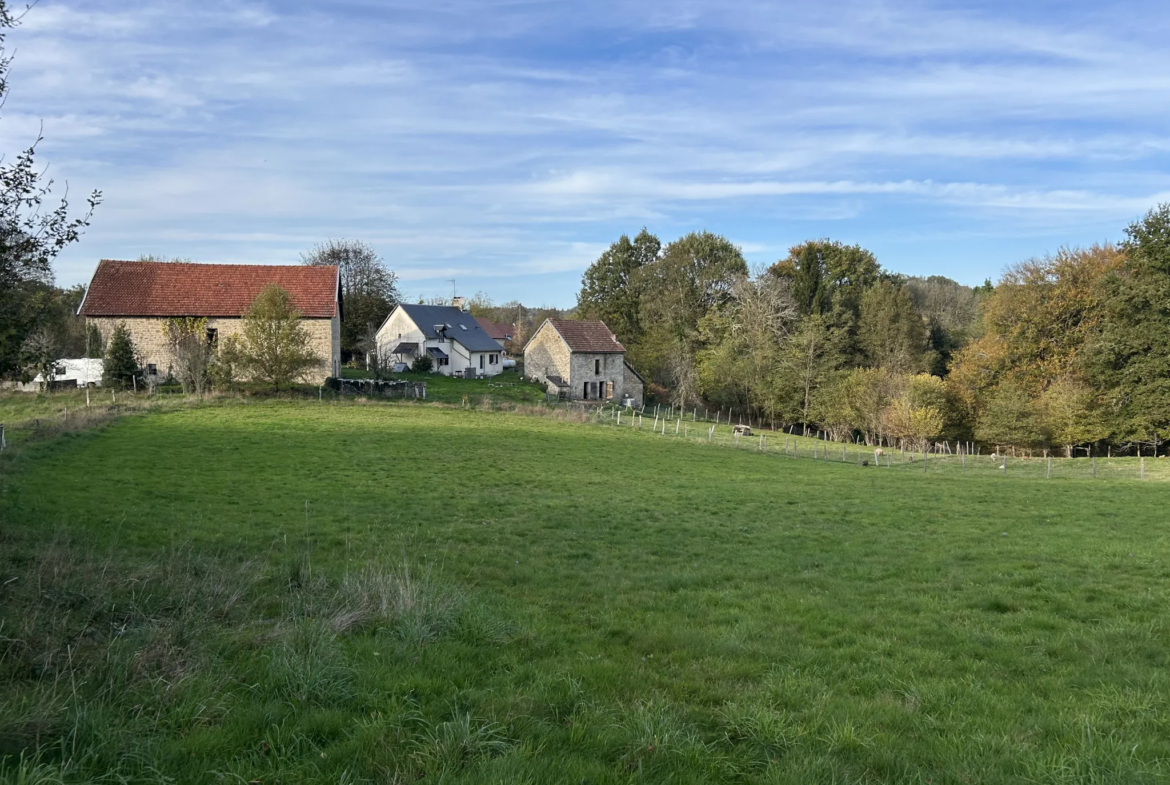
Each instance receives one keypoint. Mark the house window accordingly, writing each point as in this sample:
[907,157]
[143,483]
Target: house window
[444,361]
[597,367]
[151,369]
[59,370]
[481,362]
[212,335]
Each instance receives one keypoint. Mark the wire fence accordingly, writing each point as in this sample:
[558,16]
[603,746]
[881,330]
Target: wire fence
[959,463]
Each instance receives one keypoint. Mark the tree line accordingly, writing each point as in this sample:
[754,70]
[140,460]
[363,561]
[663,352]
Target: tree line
[1066,352]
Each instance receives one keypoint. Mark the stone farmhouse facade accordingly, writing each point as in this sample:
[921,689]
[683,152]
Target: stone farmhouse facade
[144,295]
[582,361]
[455,341]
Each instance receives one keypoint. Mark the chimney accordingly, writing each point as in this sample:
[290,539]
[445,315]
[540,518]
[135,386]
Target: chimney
[459,302]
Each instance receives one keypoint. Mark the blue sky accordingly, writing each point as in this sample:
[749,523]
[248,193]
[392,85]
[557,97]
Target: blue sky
[506,144]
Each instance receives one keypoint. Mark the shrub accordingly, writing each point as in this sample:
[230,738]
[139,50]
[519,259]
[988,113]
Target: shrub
[422,364]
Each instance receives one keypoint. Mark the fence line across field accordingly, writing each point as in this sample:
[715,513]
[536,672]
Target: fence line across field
[960,459]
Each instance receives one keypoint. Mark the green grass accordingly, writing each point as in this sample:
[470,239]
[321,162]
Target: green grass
[327,592]
[804,447]
[504,387]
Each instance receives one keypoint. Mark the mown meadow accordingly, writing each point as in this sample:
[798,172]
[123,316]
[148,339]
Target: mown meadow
[302,591]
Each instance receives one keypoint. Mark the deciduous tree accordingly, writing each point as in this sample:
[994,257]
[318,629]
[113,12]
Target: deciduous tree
[32,232]
[611,288]
[1130,359]
[191,351]
[1071,414]
[369,289]
[276,346]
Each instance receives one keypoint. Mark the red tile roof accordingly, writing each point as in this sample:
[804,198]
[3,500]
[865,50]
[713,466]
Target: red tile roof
[497,331]
[590,336]
[185,289]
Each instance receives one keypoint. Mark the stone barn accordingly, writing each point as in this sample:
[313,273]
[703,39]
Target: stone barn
[144,295]
[581,361]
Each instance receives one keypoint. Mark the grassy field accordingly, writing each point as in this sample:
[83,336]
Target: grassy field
[504,387]
[348,592]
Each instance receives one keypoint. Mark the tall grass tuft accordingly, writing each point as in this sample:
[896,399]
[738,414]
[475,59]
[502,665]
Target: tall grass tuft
[449,746]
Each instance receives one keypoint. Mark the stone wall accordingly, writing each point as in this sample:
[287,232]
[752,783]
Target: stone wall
[633,385]
[151,343]
[547,355]
[584,370]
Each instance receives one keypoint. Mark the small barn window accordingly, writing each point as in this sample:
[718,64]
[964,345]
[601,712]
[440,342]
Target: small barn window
[212,335]
[151,369]
[597,367]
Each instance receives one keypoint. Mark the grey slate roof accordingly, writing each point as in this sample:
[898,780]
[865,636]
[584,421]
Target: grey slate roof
[474,337]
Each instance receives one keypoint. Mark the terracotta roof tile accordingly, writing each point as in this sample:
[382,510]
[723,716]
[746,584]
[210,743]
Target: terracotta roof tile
[185,289]
[590,336]
[498,331]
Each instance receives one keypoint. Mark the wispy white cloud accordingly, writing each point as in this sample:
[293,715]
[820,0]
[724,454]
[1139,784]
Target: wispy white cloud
[508,142]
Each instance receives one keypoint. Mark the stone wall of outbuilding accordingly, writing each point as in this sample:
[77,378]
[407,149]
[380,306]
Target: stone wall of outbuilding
[152,347]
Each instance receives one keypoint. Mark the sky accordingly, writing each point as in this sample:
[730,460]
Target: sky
[505,144]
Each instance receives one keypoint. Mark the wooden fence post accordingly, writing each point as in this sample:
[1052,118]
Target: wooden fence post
[1049,477]
[1143,460]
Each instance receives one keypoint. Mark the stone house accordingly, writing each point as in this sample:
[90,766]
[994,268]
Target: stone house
[452,337]
[582,361]
[144,295]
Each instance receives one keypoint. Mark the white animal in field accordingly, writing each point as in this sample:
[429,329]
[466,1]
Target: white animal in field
[879,452]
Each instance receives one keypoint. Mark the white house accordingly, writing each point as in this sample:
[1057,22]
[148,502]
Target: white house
[83,372]
[456,342]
